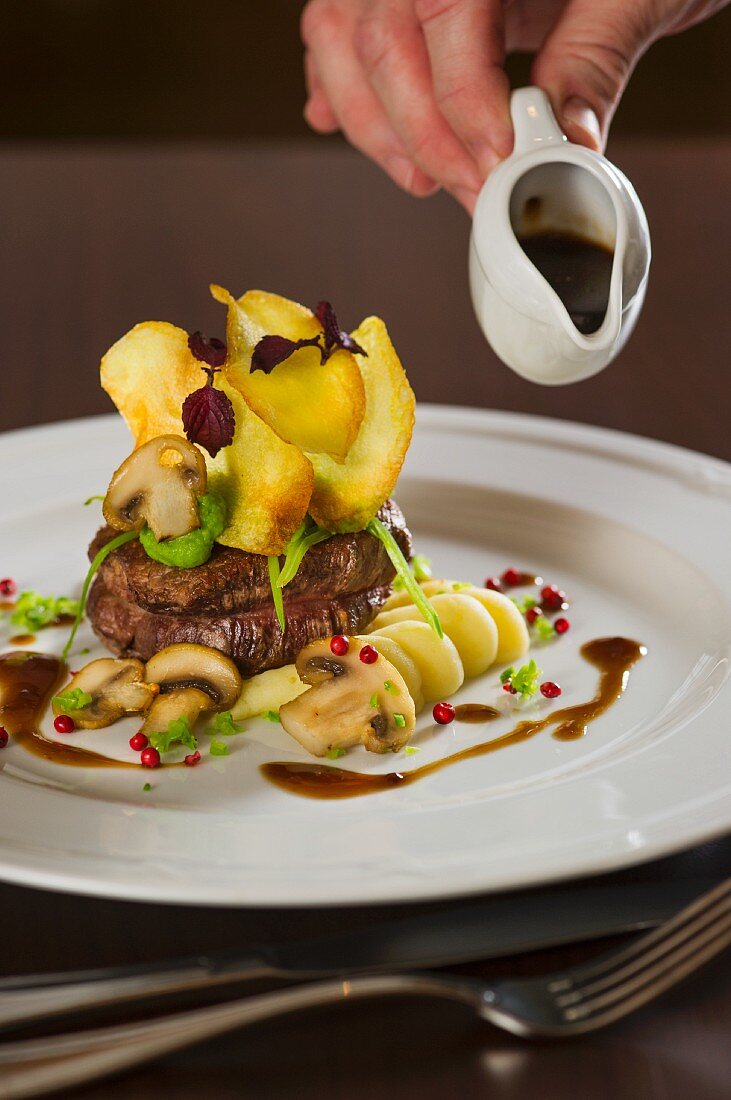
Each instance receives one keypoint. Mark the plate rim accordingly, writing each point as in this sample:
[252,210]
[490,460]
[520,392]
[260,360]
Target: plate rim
[667,457]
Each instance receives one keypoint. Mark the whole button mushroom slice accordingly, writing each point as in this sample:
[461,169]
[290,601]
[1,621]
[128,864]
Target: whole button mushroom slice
[349,702]
[115,688]
[191,679]
[159,484]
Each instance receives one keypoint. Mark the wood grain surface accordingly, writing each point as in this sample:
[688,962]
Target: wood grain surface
[96,238]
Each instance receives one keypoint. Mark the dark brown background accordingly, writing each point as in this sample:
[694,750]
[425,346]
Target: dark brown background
[153,147]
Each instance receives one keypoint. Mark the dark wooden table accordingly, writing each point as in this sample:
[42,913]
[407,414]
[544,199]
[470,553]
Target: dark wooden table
[97,238]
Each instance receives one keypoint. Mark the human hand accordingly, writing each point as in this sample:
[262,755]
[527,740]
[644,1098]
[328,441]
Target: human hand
[419,85]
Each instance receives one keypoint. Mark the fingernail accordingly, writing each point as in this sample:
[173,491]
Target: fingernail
[401,170]
[485,156]
[466,197]
[579,112]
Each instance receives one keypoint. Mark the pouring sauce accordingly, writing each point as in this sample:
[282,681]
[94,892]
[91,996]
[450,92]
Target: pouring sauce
[27,682]
[613,657]
[579,270]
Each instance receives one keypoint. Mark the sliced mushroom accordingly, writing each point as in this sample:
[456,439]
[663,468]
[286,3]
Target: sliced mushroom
[349,702]
[116,687]
[191,679]
[159,484]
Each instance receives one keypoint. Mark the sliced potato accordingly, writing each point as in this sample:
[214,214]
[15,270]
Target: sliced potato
[465,621]
[400,660]
[317,406]
[347,496]
[513,637]
[436,658]
[148,374]
[267,691]
[266,482]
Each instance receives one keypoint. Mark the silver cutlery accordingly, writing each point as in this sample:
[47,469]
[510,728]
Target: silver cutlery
[500,925]
[564,1004]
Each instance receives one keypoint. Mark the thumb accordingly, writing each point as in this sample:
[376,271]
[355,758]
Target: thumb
[587,59]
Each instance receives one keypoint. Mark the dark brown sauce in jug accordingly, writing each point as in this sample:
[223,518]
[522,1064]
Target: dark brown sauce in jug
[613,657]
[579,270]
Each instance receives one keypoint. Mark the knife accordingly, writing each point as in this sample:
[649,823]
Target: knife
[489,928]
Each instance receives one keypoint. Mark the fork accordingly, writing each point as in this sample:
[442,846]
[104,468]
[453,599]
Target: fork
[565,1004]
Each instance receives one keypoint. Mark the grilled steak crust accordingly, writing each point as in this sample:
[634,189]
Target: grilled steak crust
[232,580]
[138,606]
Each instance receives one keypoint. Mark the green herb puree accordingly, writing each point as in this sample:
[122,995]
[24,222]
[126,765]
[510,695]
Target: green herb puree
[194,548]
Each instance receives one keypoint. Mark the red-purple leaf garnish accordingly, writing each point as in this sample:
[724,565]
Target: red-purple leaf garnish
[208,417]
[272,350]
[335,337]
[207,349]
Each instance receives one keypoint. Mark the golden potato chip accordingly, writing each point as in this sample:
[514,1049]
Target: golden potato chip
[317,406]
[347,496]
[266,482]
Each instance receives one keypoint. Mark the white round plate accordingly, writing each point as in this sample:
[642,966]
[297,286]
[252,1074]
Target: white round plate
[638,534]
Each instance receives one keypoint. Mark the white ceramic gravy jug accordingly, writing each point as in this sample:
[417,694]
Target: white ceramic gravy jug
[550,185]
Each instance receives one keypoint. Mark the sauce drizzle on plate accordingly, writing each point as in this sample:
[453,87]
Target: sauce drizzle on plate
[614,657]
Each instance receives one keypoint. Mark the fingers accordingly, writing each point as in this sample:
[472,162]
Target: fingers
[341,97]
[466,47]
[393,53]
[587,59]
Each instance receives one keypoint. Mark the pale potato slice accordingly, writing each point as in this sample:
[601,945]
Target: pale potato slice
[347,496]
[148,374]
[436,658]
[267,691]
[464,620]
[266,482]
[400,659]
[316,406]
[513,637]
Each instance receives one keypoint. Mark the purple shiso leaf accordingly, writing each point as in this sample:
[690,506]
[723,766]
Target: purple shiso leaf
[272,350]
[209,419]
[335,337]
[207,349]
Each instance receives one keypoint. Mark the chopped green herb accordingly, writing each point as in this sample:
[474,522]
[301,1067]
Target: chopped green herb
[399,720]
[335,754]
[374,700]
[91,500]
[147,787]
[392,548]
[224,725]
[99,559]
[411,750]
[76,699]
[525,604]
[460,586]
[507,674]
[271,716]
[177,733]
[390,687]
[544,628]
[83,652]
[33,611]
[219,748]
[527,679]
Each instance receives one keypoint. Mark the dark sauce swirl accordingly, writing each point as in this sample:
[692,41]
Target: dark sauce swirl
[613,657]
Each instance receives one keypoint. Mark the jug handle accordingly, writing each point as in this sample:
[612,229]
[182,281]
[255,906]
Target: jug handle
[533,120]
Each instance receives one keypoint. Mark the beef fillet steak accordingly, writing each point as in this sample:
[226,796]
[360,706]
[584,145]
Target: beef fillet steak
[138,606]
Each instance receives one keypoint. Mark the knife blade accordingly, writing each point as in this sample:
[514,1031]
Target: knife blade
[488,928]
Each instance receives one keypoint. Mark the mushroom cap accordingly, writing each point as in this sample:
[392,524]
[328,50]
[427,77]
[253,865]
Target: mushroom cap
[349,702]
[151,487]
[116,687]
[187,665]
